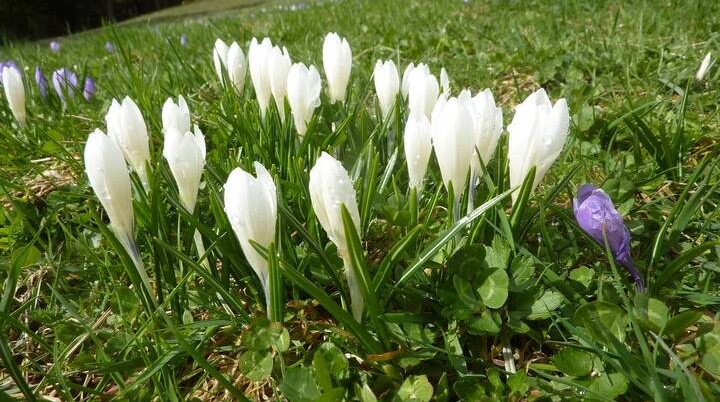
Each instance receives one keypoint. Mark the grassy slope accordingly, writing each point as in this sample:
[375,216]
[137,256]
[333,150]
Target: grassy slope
[623,69]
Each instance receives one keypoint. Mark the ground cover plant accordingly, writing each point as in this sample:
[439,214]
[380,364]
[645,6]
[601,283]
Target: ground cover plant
[189,219]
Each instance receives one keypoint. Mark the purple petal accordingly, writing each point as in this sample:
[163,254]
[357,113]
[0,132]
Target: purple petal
[55,46]
[595,213]
[41,82]
[109,47]
[89,88]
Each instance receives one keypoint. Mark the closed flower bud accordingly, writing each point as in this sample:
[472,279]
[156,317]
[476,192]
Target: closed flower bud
[109,179]
[126,127]
[258,59]
[41,82]
[176,116]
[303,89]
[445,82]
[704,67]
[279,63]
[387,85]
[453,137]
[330,188]
[418,147]
[337,61]
[65,83]
[595,213]
[537,135]
[185,154]
[405,86]
[55,46]
[230,61]
[423,90]
[488,128]
[89,88]
[251,208]
[14,92]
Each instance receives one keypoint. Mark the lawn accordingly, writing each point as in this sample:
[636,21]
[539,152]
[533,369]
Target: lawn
[481,295]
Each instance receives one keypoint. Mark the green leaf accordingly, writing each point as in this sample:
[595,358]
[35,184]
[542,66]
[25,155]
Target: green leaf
[602,319]
[521,201]
[681,322]
[487,323]
[574,362]
[582,275]
[466,293]
[334,359]
[547,303]
[299,385]
[498,254]
[518,383]
[256,365]
[468,262]
[279,337]
[610,386]
[522,269]
[658,313]
[359,267]
[416,389]
[494,288]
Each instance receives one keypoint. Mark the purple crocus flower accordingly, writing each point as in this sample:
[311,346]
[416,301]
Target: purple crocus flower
[183,39]
[594,210]
[65,82]
[55,46]
[89,88]
[41,82]
[109,47]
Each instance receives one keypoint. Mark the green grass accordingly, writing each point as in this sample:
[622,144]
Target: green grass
[72,327]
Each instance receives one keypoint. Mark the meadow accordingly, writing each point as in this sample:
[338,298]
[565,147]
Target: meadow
[495,294]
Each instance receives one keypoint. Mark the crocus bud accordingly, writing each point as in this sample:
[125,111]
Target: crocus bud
[445,82]
[423,90]
[595,212]
[185,154]
[337,61]
[183,39]
[126,127]
[55,46]
[14,92]
[109,47]
[387,85]
[279,63]
[109,179]
[418,147]
[537,135]
[405,87]
[488,128]
[453,137]
[176,116]
[231,60]
[330,188]
[89,88]
[65,82]
[251,208]
[258,57]
[303,89]
[704,66]
[41,82]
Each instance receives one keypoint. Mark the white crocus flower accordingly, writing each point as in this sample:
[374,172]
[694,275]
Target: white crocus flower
[251,208]
[126,127]
[445,82]
[176,116]
[330,188]
[536,137]
[185,154]
[423,90]
[279,64]
[303,90]
[109,179]
[453,136]
[387,85]
[418,147]
[405,85]
[704,67]
[14,92]
[337,61]
[220,52]
[258,60]
[488,128]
